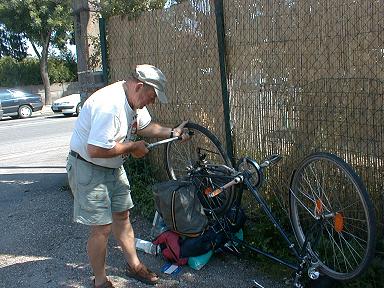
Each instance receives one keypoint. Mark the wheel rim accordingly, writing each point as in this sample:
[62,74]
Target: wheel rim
[25,112]
[342,246]
[181,158]
[203,147]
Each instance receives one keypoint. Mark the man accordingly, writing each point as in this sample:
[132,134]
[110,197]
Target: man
[99,143]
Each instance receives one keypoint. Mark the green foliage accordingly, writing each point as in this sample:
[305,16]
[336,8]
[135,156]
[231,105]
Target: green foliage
[27,72]
[94,60]
[130,8]
[41,21]
[44,23]
[260,230]
[16,73]
[62,69]
[12,44]
[141,177]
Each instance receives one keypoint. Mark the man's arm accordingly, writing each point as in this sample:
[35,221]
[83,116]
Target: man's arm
[156,130]
[137,149]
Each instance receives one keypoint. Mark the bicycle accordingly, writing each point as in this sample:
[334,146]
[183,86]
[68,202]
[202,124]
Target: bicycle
[333,221]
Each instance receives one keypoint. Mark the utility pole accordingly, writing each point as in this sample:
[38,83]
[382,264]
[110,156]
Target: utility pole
[86,27]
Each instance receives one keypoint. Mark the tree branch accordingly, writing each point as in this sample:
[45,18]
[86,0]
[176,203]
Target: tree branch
[35,49]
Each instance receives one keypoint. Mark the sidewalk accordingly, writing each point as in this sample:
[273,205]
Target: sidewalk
[46,111]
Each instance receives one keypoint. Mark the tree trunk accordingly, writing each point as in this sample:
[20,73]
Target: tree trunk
[44,77]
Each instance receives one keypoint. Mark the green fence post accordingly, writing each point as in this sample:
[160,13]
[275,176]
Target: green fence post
[103,47]
[223,73]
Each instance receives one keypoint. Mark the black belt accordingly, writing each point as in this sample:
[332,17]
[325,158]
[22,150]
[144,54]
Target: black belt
[77,155]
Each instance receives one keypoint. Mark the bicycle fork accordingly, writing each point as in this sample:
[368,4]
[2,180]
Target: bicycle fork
[308,259]
[304,256]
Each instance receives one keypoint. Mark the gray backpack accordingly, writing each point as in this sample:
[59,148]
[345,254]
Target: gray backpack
[179,206]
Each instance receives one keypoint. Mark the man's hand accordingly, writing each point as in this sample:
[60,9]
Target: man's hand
[139,149]
[181,131]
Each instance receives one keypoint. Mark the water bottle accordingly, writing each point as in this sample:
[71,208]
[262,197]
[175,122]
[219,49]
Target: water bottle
[147,246]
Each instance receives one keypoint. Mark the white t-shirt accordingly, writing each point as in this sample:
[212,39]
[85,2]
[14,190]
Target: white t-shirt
[105,119]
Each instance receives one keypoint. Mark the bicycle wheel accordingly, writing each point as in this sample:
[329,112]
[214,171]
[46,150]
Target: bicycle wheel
[326,193]
[202,148]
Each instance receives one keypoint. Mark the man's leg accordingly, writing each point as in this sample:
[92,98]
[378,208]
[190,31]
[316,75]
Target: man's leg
[123,232]
[97,250]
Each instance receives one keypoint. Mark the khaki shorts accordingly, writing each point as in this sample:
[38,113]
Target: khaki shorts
[97,191]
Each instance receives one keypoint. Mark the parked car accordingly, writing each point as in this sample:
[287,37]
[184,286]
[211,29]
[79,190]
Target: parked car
[19,104]
[68,105]
[1,111]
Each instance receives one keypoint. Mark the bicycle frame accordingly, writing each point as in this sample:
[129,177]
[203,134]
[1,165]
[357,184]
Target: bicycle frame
[330,236]
[260,200]
[303,256]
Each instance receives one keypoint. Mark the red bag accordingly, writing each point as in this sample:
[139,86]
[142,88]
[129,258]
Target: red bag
[170,247]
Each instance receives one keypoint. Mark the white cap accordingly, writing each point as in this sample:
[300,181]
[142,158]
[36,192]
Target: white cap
[152,76]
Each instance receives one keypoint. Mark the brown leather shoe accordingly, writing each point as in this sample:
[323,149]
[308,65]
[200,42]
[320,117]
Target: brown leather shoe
[107,284]
[142,274]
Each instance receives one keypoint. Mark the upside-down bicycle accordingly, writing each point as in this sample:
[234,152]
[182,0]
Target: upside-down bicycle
[331,214]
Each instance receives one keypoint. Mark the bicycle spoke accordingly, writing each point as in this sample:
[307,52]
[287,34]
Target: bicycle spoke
[304,206]
[352,251]
[320,188]
[326,187]
[339,249]
[350,246]
[357,239]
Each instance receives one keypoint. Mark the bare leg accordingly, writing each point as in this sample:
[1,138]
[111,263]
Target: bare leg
[123,232]
[97,250]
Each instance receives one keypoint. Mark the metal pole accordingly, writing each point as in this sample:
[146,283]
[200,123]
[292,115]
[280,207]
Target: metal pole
[103,47]
[223,73]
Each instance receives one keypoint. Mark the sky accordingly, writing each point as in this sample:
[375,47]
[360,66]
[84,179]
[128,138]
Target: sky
[31,52]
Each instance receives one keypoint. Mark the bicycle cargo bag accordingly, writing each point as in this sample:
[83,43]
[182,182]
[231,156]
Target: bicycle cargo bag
[178,204]
[211,239]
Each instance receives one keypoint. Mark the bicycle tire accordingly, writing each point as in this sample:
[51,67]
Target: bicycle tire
[181,158]
[346,241]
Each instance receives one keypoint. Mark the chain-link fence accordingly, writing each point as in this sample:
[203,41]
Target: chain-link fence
[302,76]
[307,76]
[181,41]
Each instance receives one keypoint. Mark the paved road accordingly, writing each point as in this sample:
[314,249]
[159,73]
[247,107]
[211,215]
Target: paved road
[40,246]
[36,144]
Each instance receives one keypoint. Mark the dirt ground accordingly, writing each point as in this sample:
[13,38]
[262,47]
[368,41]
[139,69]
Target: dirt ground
[40,246]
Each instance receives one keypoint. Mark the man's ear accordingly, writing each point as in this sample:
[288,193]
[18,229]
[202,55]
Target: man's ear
[138,86]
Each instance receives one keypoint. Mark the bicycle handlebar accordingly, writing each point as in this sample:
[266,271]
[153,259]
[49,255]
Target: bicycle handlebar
[235,181]
[271,160]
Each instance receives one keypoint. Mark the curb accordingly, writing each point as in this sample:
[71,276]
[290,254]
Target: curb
[46,111]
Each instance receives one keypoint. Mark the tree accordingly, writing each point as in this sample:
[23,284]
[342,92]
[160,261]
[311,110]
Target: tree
[130,8]
[43,23]
[12,44]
